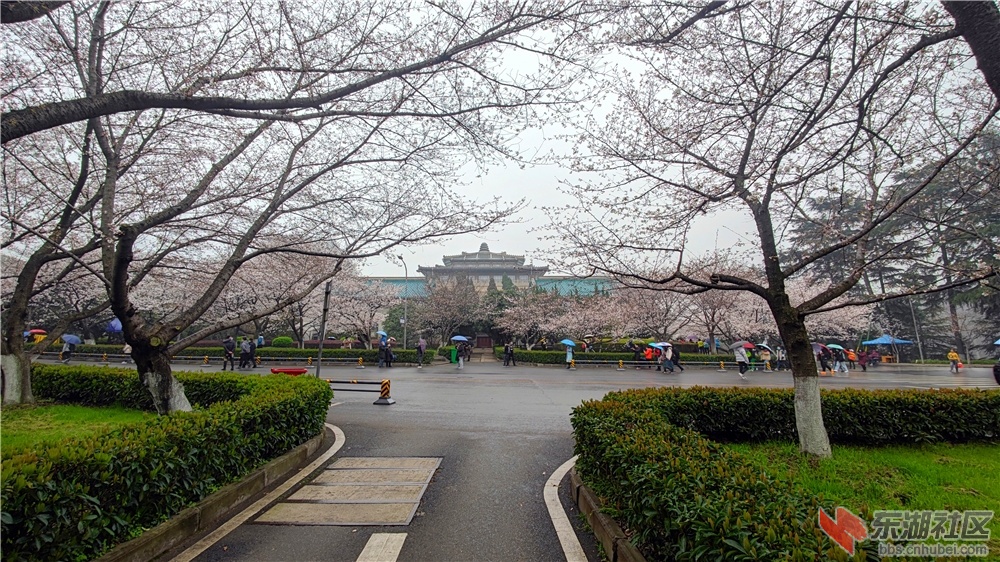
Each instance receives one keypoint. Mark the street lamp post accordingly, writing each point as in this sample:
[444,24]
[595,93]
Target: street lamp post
[406,289]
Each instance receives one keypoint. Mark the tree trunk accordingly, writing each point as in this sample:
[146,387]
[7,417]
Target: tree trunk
[813,438]
[153,364]
[15,372]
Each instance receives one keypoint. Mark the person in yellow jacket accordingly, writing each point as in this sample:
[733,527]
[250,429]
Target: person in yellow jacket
[953,357]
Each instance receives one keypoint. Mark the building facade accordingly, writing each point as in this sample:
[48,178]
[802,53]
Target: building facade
[486,266]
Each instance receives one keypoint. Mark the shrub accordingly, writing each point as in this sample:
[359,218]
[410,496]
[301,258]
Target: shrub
[851,416]
[282,341]
[684,497]
[75,500]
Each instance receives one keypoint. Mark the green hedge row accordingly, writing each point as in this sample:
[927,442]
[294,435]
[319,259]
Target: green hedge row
[685,497]
[873,417]
[266,353]
[80,498]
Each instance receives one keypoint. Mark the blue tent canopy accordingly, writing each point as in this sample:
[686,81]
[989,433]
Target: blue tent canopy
[886,339]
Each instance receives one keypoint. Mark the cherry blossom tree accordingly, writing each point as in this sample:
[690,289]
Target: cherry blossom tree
[358,305]
[757,111]
[357,154]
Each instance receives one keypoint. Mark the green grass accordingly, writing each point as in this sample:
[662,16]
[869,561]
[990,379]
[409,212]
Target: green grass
[25,427]
[926,476]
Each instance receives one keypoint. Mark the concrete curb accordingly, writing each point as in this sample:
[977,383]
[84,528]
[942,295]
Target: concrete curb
[617,548]
[209,511]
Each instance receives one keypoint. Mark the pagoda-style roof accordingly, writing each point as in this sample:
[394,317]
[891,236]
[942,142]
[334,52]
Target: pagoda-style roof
[484,260]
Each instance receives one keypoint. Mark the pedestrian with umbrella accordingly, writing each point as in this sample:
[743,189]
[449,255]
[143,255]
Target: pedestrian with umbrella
[460,343]
[839,359]
[569,351]
[742,361]
[69,346]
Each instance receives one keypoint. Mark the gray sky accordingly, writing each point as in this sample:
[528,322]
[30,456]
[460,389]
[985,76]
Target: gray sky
[538,185]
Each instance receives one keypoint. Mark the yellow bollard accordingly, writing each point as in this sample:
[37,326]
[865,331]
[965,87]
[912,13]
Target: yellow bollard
[384,398]
[767,367]
[309,360]
[621,365]
[257,360]
[572,364]
[104,358]
[361,362]
[60,356]
[722,366]
[206,360]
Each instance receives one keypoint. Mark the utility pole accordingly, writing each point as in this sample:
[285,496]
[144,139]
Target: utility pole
[916,328]
[322,325]
[406,290]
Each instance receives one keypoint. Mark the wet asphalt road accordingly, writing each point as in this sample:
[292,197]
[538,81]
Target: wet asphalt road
[500,432]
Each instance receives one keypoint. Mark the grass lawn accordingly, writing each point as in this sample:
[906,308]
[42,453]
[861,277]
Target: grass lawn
[43,424]
[912,477]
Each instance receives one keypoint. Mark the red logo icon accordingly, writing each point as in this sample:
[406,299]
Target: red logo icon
[845,529]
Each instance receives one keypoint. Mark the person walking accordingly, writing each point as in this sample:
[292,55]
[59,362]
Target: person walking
[863,361]
[389,355]
[852,357]
[765,357]
[229,353]
[569,356]
[676,358]
[67,351]
[782,359]
[252,356]
[508,355]
[668,359]
[421,349]
[460,349]
[824,361]
[244,353]
[382,348]
[954,359]
[260,340]
[742,361]
[840,362]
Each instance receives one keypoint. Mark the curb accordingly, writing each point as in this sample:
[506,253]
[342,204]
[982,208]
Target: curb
[209,511]
[617,548]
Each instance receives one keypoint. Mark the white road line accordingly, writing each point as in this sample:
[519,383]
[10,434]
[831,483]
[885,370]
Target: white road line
[229,526]
[382,547]
[564,529]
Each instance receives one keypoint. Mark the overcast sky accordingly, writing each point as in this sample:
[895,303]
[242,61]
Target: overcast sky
[538,185]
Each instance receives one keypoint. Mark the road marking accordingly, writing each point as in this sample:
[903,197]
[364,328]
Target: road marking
[564,529]
[229,526]
[382,547]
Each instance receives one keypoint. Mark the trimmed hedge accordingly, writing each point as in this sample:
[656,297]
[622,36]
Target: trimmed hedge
[686,497]
[80,498]
[265,353]
[851,416]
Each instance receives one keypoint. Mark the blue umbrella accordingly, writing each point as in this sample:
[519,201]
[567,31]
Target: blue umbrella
[996,342]
[459,338]
[656,345]
[381,333]
[570,343]
[71,339]
[115,326]
[886,339]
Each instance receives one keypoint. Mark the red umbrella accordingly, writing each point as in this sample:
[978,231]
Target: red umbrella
[38,331]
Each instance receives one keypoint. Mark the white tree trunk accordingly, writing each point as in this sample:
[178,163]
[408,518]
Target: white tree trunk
[13,366]
[813,438]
